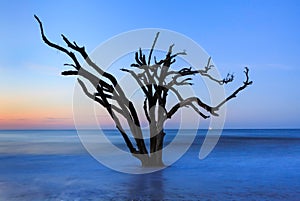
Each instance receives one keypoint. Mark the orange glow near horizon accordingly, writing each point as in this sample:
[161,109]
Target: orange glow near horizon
[31,112]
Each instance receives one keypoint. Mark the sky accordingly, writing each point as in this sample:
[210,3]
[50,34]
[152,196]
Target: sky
[263,35]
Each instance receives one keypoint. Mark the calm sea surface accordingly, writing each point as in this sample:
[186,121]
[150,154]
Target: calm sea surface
[244,165]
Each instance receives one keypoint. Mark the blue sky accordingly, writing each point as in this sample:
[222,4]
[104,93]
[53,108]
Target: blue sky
[264,35]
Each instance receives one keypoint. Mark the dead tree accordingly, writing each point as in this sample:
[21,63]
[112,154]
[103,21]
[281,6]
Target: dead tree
[152,79]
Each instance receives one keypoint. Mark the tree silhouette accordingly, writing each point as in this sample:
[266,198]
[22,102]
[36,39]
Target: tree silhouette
[156,80]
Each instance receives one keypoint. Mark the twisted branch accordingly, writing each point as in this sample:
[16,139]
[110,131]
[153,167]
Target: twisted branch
[125,104]
[211,110]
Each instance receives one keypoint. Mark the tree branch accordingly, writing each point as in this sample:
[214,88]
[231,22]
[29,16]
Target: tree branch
[70,54]
[189,102]
[123,100]
[234,94]
[179,97]
[153,45]
[146,110]
[137,79]
[211,110]
[204,72]
[118,124]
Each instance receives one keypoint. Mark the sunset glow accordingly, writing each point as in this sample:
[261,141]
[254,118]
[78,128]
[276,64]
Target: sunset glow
[261,35]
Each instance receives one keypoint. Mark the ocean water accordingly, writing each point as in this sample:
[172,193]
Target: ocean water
[244,165]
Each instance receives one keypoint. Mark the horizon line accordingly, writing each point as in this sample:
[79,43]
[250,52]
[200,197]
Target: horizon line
[73,129]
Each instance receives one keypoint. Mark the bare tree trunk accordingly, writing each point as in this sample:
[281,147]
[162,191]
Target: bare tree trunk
[155,85]
[155,159]
[159,148]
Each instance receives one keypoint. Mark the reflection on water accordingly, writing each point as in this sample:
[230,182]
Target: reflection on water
[147,186]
